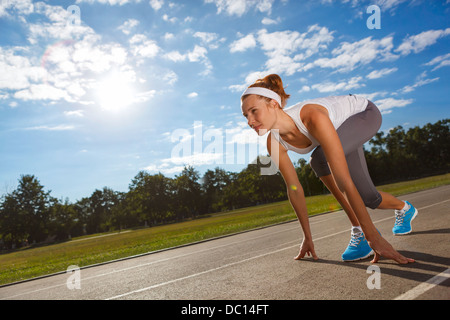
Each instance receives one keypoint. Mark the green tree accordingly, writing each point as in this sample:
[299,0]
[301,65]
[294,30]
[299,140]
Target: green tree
[188,193]
[213,184]
[63,219]
[24,212]
[12,222]
[99,210]
[150,198]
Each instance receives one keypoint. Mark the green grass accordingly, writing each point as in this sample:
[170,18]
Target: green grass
[27,263]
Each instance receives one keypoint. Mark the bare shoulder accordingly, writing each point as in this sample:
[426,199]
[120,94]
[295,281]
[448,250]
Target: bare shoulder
[312,109]
[311,113]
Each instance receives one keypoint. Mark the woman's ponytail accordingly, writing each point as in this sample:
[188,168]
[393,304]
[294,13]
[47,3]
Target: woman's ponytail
[274,83]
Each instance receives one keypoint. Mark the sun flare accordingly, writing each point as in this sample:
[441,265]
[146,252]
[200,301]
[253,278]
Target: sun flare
[115,93]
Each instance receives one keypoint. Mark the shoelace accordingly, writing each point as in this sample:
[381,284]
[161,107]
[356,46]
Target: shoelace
[356,239]
[399,216]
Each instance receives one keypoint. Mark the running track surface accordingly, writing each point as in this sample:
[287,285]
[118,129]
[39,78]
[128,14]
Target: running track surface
[259,265]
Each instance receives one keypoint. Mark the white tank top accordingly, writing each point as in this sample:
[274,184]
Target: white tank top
[340,108]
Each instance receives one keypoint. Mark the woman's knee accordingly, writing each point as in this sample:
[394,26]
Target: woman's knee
[372,200]
[319,163]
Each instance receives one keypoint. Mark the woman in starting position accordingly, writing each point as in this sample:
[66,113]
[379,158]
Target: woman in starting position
[336,129]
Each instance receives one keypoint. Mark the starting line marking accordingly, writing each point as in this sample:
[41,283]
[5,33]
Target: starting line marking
[425,286]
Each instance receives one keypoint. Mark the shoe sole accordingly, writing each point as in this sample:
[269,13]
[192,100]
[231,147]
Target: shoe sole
[365,257]
[404,233]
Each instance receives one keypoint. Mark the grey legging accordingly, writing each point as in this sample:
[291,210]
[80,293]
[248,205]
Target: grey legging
[353,133]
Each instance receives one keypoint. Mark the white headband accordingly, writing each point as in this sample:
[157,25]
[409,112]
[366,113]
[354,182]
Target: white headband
[263,92]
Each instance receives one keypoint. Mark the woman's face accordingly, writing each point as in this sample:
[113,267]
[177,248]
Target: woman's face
[259,114]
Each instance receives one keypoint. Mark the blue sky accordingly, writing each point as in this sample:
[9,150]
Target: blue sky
[92,95]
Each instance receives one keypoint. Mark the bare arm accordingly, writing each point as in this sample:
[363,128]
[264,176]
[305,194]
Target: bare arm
[320,126]
[295,192]
[317,121]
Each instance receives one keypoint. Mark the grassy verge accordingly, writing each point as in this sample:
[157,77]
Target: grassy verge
[83,251]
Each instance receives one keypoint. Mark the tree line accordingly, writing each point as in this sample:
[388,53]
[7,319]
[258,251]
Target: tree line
[29,214]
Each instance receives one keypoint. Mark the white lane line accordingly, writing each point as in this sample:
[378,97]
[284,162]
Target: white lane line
[242,261]
[227,265]
[160,260]
[434,204]
[147,264]
[207,249]
[197,274]
[425,286]
[219,268]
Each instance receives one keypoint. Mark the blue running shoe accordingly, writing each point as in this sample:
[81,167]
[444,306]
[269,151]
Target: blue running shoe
[358,248]
[403,219]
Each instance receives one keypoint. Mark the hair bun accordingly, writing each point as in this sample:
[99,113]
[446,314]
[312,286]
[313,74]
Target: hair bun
[274,83]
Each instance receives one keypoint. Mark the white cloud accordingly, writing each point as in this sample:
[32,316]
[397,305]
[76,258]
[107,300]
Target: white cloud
[206,37]
[243,44]
[21,7]
[371,96]
[74,113]
[251,78]
[305,88]
[268,21]
[94,57]
[168,19]
[42,92]
[17,71]
[197,54]
[283,64]
[349,56]
[110,2]
[196,159]
[144,96]
[385,105]
[286,49]
[164,168]
[381,73]
[420,81]
[69,68]
[128,25]
[170,77]
[210,39]
[353,83]
[383,4]
[192,95]
[240,7]
[168,36]
[57,27]
[143,47]
[175,56]
[156,4]
[419,42]
[61,127]
[388,4]
[440,61]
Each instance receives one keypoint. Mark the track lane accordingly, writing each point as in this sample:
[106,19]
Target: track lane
[259,264]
